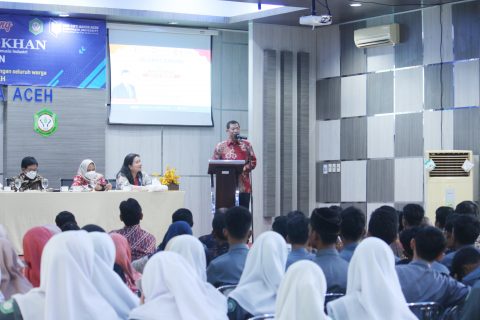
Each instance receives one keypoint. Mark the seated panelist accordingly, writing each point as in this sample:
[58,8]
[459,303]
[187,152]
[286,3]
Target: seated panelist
[131,173]
[87,177]
[29,179]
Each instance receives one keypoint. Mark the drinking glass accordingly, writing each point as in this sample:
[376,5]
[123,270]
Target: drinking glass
[44,183]
[18,184]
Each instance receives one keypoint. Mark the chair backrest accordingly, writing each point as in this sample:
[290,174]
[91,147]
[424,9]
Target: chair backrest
[8,182]
[263,316]
[332,296]
[66,182]
[113,182]
[426,310]
[452,313]
[225,290]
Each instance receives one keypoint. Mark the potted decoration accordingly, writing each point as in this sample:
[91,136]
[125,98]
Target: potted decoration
[170,179]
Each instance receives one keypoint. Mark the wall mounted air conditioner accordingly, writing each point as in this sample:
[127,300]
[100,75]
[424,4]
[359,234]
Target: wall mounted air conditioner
[448,183]
[377,36]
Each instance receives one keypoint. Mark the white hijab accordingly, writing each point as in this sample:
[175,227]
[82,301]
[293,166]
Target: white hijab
[373,288]
[192,250]
[173,291]
[264,269]
[66,290]
[302,293]
[107,282]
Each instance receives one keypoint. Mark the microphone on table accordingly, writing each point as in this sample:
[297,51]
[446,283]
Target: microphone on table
[239,137]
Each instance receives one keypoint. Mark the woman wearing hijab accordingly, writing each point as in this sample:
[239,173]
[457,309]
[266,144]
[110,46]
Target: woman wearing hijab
[13,280]
[192,250]
[123,258]
[66,287]
[175,229]
[107,282]
[373,288]
[302,293]
[87,177]
[256,291]
[33,243]
[173,291]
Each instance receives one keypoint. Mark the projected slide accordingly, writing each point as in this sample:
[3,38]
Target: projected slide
[167,82]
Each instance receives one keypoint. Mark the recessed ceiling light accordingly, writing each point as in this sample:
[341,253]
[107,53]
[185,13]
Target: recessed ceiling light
[63,15]
[173,22]
[355,4]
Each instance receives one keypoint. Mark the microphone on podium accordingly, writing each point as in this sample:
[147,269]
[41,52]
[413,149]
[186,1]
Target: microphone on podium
[239,137]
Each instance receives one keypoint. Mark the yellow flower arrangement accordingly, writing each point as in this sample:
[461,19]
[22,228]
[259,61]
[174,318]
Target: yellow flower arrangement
[170,177]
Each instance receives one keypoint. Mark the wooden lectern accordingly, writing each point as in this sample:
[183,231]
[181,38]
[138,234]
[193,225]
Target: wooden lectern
[226,181]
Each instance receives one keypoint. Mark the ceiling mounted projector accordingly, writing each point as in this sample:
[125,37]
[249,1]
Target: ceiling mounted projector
[316,21]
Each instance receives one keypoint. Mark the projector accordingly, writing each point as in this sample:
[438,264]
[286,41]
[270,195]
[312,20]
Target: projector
[316,21]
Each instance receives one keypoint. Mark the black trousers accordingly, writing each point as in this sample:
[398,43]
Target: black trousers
[244,200]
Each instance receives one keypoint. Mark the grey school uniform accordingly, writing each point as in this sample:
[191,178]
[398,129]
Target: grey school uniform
[297,255]
[420,283]
[227,268]
[334,268]
[348,250]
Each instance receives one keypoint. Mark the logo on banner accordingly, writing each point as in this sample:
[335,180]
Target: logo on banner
[45,122]
[35,26]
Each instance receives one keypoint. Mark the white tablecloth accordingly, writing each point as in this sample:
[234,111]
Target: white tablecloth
[20,211]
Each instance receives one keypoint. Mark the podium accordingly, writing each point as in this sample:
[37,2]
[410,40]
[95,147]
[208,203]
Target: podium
[225,188]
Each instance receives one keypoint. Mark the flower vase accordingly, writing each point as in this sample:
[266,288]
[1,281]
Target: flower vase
[173,186]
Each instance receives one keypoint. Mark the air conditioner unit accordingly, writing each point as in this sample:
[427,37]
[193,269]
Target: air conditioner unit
[377,36]
[448,183]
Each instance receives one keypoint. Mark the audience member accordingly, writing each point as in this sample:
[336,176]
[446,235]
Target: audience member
[141,242]
[172,290]
[419,281]
[441,215]
[295,213]
[106,281]
[29,178]
[227,268]
[279,226]
[72,296]
[373,290]
[406,238]
[471,308]
[257,289]
[13,281]
[467,207]
[448,232]
[383,224]
[64,217]
[123,259]
[297,236]
[466,229]
[70,226]
[335,208]
[175,229]
[33,243]
[466,266]
[301,294]
[325,227]
[89,179]
[183,214]
[93,228]
[413,215]
[216,242]
[192,250]
[352,230]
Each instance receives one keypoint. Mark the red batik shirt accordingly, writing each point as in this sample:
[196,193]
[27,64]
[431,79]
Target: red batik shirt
[238,150]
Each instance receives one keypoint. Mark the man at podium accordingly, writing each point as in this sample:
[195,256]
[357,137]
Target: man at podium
[237,147]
